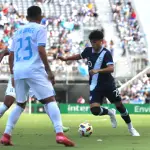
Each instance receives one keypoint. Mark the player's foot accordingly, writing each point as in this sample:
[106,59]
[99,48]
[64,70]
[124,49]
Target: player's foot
[6,140]
[133,132]
[62,139]
[66,129]
[113,118]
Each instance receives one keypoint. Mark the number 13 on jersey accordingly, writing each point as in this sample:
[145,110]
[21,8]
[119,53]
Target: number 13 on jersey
[25,47]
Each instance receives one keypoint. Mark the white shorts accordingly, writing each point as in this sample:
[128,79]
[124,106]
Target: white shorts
[41,87]
[10,90]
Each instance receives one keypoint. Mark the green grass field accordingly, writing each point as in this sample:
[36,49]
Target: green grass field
[35,132]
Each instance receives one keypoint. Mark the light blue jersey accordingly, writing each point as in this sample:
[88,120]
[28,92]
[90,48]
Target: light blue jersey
[25,42]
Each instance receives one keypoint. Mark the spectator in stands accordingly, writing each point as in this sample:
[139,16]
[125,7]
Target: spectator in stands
[137,99]
[147,99]
[133,15]
[11,20]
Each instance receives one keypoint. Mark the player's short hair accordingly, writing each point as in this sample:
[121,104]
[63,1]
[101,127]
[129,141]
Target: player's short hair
[97,35]
[33,12]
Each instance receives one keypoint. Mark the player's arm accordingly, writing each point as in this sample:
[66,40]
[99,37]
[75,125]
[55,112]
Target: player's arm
[41,43]
[108,69]
[83,55]
[11,62]
[6,50]
[109,63]
[44,59]
[73,57]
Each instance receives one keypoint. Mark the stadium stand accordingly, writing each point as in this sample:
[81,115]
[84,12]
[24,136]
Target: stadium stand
[65,19]
[132,38]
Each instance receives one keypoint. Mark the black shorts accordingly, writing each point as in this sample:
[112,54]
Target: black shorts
[97,96]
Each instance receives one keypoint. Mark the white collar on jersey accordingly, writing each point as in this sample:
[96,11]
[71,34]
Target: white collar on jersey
[98,51]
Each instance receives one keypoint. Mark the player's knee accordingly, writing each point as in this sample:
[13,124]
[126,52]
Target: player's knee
[9,100]
[48,100]
[95,111]
[118,104]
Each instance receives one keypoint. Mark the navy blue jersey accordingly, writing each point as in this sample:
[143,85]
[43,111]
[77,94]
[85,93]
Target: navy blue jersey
[99,61]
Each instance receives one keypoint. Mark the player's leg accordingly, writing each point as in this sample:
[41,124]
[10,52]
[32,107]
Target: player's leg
[31,95]
[65,129]
[8,101]
[114,97]
[21,97]
[9,98]
[126,117]
[96,98]
[46,97]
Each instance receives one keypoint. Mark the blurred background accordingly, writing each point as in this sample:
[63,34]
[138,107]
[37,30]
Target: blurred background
[68,24]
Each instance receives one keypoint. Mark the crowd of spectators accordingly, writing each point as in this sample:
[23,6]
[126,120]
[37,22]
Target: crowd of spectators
[132,40]
[138,92]
[64,39]
[63,33]
[128,27]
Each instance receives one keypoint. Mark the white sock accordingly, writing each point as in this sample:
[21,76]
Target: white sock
[130,126]
[3,109]
[12,119]
[110,112]
[45,107]
[54,113]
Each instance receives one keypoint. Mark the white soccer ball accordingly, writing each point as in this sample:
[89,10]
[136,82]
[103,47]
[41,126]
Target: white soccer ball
[85,129]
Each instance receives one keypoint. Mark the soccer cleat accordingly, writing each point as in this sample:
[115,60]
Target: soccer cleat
[6,140]
[113,118]
[133,132]
[66,129]
[62,139]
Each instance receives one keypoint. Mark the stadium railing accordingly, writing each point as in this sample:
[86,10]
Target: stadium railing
[146,70]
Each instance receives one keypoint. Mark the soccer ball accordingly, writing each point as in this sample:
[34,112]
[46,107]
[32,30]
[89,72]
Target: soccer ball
[85,129]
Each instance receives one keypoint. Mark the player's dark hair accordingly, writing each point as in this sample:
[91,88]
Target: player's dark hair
[97,35]
[34,12]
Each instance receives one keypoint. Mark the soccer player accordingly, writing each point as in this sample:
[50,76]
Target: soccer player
[30,69]
[10,94]
[102,84]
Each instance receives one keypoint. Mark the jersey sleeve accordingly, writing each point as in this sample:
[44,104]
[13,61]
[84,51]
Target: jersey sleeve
[42,37]
[84,54]
[108,58]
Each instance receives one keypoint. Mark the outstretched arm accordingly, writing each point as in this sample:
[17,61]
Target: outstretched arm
[74,57]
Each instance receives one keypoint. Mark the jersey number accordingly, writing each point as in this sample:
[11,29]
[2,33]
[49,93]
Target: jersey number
[27,48]
[116,93]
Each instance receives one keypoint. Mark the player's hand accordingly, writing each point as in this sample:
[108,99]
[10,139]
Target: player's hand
[51,78]
[92,72]
[62,58]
